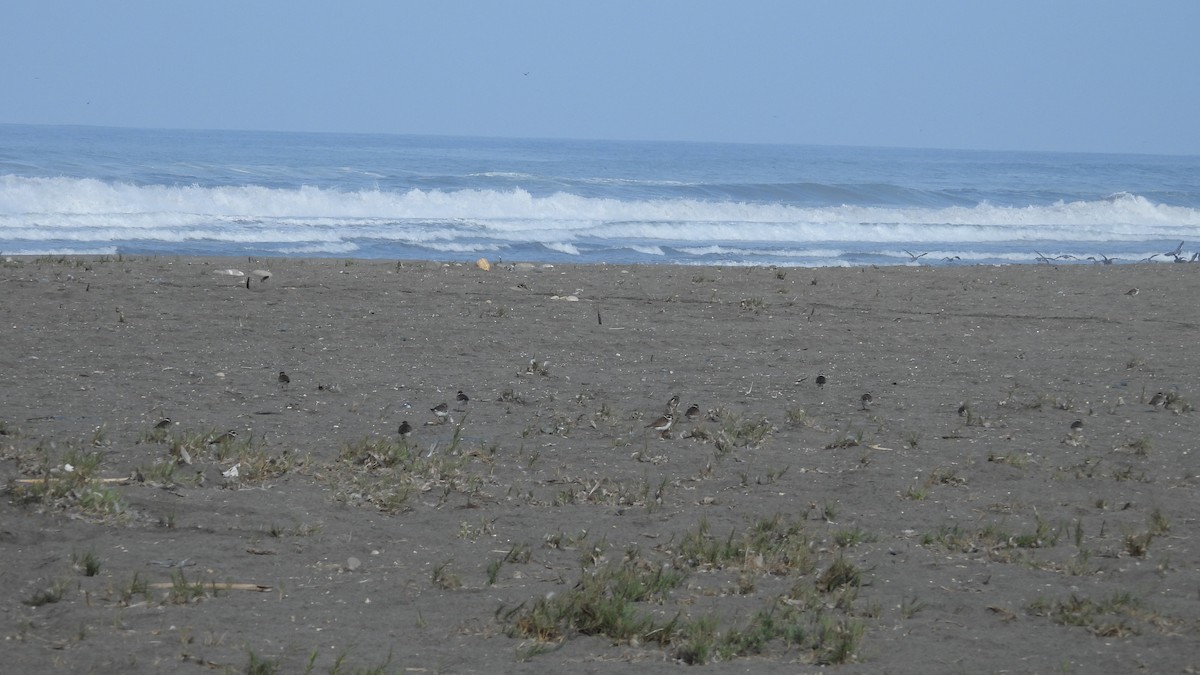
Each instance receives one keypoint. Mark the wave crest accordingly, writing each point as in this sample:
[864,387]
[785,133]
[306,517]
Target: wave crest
[45,213]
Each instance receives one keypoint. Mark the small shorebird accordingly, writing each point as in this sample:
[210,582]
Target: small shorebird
[284,379]
[866,401]
[692,412]
[405,429]
[1159,400]
[1076,426]
[163,423]
[963,409]
[1132,291]
[672,405]
[662,425]
[442,411]
[224,438]
[820,381]
[462,398]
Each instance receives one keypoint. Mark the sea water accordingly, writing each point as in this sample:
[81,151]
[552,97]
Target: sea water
[90,190]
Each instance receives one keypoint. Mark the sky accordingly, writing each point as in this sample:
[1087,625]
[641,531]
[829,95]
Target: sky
[1063,75]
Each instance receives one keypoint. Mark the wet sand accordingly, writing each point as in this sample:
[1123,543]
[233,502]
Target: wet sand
[974,529]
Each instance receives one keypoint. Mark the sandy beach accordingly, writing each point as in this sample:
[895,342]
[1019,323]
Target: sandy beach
[1016,494]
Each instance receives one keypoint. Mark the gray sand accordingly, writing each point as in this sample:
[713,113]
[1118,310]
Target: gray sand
[994,538]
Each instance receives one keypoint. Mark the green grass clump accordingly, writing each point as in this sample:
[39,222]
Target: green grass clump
[87,563]
[773,545]
[74,484]
[184,591]
[48,595]
[257,665]
[633,601]
[385,473]
[602,603]
[1119,615]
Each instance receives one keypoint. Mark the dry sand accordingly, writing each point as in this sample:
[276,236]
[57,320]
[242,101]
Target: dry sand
[994,539]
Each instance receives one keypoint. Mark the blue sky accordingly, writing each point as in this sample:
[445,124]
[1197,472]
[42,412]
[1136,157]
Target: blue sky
[1092,76]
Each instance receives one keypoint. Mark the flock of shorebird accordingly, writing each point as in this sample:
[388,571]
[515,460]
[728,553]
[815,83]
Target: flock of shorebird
[442,413]
[662,425]
[1177,254]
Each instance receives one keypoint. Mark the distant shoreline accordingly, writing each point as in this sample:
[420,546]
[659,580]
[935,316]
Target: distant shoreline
[501,262]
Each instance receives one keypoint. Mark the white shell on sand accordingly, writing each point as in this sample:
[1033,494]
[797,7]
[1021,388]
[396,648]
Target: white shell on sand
[230,272]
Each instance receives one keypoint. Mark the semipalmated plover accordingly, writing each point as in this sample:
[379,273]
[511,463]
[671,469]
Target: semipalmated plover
[284,379]
[820,381]
[163,423]
[405,429]
[662,425]
[866,401]
[1159,400]
[224,438]
[672,406]
[692,412]
[442,411]
[462,398]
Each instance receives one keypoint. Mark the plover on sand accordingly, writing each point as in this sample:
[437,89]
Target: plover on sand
[442,411]
[672,405]
[224,438]
[662,425]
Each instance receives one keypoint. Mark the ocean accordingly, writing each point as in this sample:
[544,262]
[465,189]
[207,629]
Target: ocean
[109,191]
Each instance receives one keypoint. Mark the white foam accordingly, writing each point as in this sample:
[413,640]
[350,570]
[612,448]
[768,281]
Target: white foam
[319,249]
[100,250]
[71,209]
[460,248]
[648,250]
[562,247]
